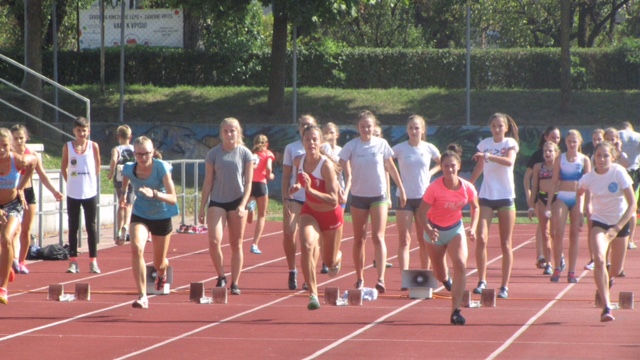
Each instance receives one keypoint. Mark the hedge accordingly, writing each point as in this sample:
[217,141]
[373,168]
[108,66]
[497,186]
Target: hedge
[607,69]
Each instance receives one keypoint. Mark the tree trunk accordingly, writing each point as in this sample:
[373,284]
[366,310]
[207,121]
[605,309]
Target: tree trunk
[565,56]
[62,7]
[33,48]
[277,77]
[192,29]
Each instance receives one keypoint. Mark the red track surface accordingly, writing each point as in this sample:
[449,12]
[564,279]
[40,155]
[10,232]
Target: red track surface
[540,320]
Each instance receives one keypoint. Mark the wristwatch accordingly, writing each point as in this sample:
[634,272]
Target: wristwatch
[486,156]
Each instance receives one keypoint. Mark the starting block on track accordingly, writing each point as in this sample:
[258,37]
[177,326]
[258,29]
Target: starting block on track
[354,297]
[331,295]
[467,301]
[196,291]
[219,295]
[55,292]
[83,291]
[151,280]
[626,300]
[488,298]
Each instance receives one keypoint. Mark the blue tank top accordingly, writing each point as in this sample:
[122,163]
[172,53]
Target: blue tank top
[11,180]
[571,171]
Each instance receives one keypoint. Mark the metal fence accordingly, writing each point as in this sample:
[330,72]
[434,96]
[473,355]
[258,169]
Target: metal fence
[184,198]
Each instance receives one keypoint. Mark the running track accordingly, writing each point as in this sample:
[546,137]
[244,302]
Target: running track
[540,320]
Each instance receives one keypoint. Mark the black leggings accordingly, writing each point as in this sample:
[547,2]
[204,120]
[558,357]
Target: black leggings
[90,207]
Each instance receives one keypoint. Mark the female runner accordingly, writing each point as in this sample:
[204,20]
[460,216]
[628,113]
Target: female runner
[440,215]
[321,216]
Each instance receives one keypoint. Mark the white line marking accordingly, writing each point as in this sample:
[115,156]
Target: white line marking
[531,321]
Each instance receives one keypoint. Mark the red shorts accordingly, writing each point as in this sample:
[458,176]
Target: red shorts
[327,220]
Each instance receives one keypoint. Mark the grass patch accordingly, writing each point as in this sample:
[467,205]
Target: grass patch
[187,104]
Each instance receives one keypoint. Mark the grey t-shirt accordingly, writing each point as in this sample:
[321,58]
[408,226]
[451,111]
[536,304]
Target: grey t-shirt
[229,177]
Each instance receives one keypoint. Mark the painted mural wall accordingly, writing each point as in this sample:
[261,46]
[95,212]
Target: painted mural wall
[193,141]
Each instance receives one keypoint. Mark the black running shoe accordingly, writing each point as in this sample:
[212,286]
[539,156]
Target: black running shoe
[222,281]
[325,269]
[456,318]
[305,287]
[481,286]
[293,280]
[235,290]
[447,284]
[606,315]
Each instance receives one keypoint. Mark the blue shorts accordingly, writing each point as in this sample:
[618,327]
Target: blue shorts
[499,204]
[445,234]
[13,208]
[568,198]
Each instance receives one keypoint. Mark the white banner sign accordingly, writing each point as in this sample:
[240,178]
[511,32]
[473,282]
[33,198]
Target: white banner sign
[153,27]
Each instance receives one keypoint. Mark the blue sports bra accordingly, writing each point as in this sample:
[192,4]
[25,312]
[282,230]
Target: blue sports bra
[11,180]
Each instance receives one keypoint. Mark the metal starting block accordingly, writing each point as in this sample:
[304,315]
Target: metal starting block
[488,298]
[151,281]
[196,292]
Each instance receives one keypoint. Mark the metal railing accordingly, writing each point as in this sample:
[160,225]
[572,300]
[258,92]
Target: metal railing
[56,86]
[183,198]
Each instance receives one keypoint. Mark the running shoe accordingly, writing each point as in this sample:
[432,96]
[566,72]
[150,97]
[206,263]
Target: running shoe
[481,286]
[16,266]
[389,265]
[160,281]
[293,279]
[255,250]
[447,284]
[73,267]
[141,303]
[606,315]
[23,269]
[622,274]
[122,234]
[548,270]
[556,276]
[503,293]
[93,267]
[590,265]
[456,318]
[314,304]
[235,290]
[380,287]
[334,270]
[222,281]
[359,284]
[541,262]
[325,269]
[305,287]
[4,296]
[571,277]
[632,246]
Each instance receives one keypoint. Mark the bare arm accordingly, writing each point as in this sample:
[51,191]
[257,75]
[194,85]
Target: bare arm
[44,179]
[331,182]
[269,169]
[96,154]
[393,171]
[475,217]
[64,162]
[170,196]
[346,172]
[207,186]
[436,169]
[477,170]
[248,179]
[115,156]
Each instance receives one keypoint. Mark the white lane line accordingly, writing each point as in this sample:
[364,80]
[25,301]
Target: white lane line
[358,332]
[531,321]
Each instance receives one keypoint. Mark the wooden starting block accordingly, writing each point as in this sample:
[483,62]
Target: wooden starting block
[196,291]
[331,295]
[466,298]
[626,300]
[83,291]
[151,281]
[55,292]
[488,298]
[598,300]
[354,297]
[219,295]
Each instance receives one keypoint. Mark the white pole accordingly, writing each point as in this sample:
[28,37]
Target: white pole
[122,2]
[468,65]
[295,73]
